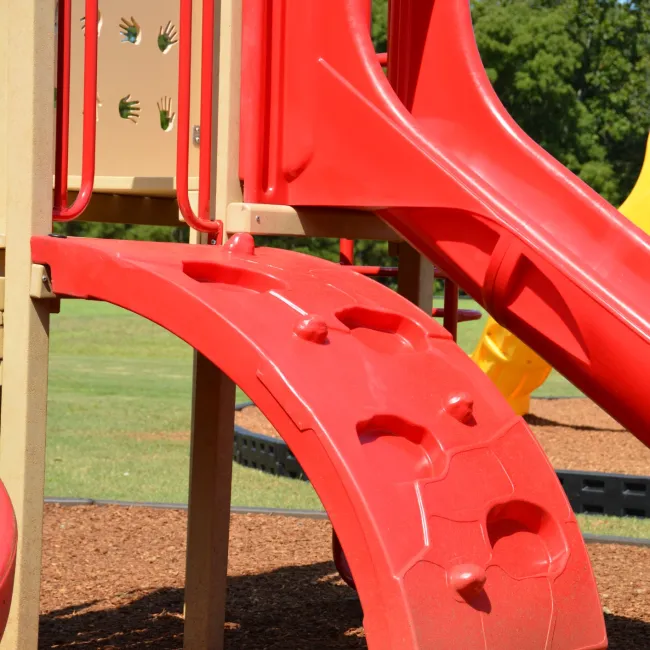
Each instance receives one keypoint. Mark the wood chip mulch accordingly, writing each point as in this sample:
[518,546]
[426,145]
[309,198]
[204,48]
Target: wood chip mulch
[113,579]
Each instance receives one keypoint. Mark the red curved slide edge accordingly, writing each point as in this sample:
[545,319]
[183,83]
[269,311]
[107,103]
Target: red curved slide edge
[438,157]
[8,544]
[454,525]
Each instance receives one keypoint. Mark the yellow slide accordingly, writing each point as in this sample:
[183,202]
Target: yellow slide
[514,368]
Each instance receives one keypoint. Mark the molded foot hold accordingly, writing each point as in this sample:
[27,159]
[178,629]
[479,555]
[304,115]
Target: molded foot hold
[461,407]
[312,328]
[467,580]
[242,243]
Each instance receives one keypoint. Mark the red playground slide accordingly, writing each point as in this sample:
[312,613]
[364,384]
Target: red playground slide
[431,149]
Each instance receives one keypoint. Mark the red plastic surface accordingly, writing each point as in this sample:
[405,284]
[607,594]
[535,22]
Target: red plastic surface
[8,541]
[433,150]
[455,527]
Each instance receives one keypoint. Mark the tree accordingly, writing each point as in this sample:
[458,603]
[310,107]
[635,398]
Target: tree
[379,29]
[575,76]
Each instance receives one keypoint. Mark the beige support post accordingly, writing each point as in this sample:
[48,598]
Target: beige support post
[415,278]
[209,506]
[27,67]
[214,393]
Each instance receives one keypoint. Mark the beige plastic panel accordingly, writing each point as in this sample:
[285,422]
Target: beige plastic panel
[134,156]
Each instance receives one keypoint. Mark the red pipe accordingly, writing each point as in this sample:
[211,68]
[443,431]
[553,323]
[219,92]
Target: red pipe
[378,271]
[464,315]
[346,252]
[61,212]
[62,105]
[389,271]
[202,221]
[382,57]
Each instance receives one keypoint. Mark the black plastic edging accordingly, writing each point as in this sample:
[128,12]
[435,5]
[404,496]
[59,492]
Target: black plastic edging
[269,455]
[589,538]
[238,510]
[599,493]
[596,493]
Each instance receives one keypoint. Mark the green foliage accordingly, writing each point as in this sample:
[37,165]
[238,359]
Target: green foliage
[380,24]
[574,75]
[123,231]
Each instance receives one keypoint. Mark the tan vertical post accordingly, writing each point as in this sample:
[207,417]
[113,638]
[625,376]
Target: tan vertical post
[26,209]
[213,398]
[415,277]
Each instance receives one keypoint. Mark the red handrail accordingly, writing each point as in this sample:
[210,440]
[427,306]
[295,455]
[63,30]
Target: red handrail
[61,211]
[376,271]
[346,251]
[202,221]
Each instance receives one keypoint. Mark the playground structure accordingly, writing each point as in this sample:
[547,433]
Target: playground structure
[515,369]
[453,525]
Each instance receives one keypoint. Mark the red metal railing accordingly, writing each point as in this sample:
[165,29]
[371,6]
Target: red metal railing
[450,314]
[61,210]
[200,221]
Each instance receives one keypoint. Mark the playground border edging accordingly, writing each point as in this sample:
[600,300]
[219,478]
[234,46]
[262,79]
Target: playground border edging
[598,493]
[590,538]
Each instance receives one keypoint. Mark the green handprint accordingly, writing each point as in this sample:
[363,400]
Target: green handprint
[130,31]
[166,115]
[129,109]
[167,37]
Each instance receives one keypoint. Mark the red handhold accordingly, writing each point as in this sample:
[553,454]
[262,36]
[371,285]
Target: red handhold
[467,580]
[312,328]
[461,407]
[242,243]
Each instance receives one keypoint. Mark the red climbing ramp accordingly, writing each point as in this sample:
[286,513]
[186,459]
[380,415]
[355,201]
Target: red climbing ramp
[431,148]
[455,527]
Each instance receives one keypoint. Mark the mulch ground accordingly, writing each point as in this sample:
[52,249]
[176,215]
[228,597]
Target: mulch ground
[113,577]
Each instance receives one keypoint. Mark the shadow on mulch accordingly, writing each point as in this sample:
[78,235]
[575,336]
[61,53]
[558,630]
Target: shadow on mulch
[301,607]
[263,614]
[627,633]
[538,421]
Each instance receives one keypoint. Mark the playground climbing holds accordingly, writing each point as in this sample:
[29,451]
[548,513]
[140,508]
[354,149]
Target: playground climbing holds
[461,407]
[467,580]
[312,328]
[242,243]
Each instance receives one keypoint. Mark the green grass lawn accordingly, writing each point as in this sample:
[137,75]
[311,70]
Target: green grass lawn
[119,414]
